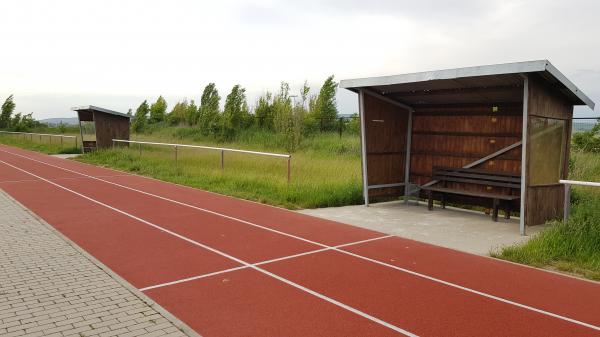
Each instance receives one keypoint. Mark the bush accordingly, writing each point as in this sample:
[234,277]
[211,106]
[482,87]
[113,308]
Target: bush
[588,141]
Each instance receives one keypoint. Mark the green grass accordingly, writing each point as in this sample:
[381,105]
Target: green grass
[572,246]
[43,145]
[325,171]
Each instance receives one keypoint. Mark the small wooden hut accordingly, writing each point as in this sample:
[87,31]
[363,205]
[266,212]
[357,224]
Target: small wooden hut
[106,126]
[485,135]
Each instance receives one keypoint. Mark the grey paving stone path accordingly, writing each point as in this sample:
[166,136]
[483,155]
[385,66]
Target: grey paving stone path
[49,287]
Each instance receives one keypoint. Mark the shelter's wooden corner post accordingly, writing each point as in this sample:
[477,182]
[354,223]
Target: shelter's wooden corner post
[524,164]
[407,158]
[363,145]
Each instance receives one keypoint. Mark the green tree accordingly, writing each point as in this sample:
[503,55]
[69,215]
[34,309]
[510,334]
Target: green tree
[141,117]
[288,119]
[192,113]
[15,122]
[158,110]
[304,92]
[179,113]
[324,106]
[235,111]
[209,109]
[264,111]
[8,107]
[28,122]
[282,108]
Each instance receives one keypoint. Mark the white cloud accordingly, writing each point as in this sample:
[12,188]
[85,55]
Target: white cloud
[58,54]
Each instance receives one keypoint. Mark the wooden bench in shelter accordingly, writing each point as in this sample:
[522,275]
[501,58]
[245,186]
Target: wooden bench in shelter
[463,177]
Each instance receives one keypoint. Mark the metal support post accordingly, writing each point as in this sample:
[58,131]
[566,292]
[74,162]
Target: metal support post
[222,160]
[567,202]
[523,210]
[289,169]
[175,155]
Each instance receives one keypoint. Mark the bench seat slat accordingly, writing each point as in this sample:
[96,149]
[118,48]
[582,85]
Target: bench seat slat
[472,194]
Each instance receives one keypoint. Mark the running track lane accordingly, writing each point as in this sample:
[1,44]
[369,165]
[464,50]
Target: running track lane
[421,306]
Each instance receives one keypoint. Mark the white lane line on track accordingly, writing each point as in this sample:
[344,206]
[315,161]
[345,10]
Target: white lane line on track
[193,278]
[240,261]
[59,179]
[408,271]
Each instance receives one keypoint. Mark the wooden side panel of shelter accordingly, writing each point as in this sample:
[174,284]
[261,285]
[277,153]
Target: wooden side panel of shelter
[457,135]
[109,127]
[545,202]
[385,132]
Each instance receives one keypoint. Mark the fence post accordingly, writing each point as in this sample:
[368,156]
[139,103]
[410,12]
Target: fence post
[140,144]
[61,141]
[289,169]
[341,126]
[222,160]
[175,155]
[567,202]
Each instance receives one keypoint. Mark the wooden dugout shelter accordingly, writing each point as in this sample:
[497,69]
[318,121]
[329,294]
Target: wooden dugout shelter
[512,119]
[108,125]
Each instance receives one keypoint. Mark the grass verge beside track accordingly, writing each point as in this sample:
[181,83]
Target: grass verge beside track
[43,145]
[572,246]
[325,171]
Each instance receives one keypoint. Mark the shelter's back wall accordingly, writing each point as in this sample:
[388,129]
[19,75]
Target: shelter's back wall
[454,136]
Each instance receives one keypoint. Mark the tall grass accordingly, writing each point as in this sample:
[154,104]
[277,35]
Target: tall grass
[572,246]
[43,144]
[325,170]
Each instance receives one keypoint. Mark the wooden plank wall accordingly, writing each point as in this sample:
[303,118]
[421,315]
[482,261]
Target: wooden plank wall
[109,127]
[385,132]
[456,135]
[544,203]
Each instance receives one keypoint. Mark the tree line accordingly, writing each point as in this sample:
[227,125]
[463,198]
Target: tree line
[15,122]
[281,112]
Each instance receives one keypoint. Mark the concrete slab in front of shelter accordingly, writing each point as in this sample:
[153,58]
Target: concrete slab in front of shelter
[468,231]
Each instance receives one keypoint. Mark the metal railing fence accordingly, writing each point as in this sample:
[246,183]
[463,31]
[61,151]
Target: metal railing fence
[221,149]
[41,135]
[568,184]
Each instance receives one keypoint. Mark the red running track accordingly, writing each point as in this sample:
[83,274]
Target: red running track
[229,267]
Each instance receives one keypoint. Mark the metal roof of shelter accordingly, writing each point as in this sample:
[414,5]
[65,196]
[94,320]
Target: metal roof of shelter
[89,109]
[482,84]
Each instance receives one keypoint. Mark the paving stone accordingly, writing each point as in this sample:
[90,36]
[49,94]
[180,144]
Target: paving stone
[49,288]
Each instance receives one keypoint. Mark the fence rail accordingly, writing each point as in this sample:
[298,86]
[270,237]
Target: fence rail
[568,184]
[40,135]
[221,149]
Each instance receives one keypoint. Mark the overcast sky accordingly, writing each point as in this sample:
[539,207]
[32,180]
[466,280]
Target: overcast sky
[61,53]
